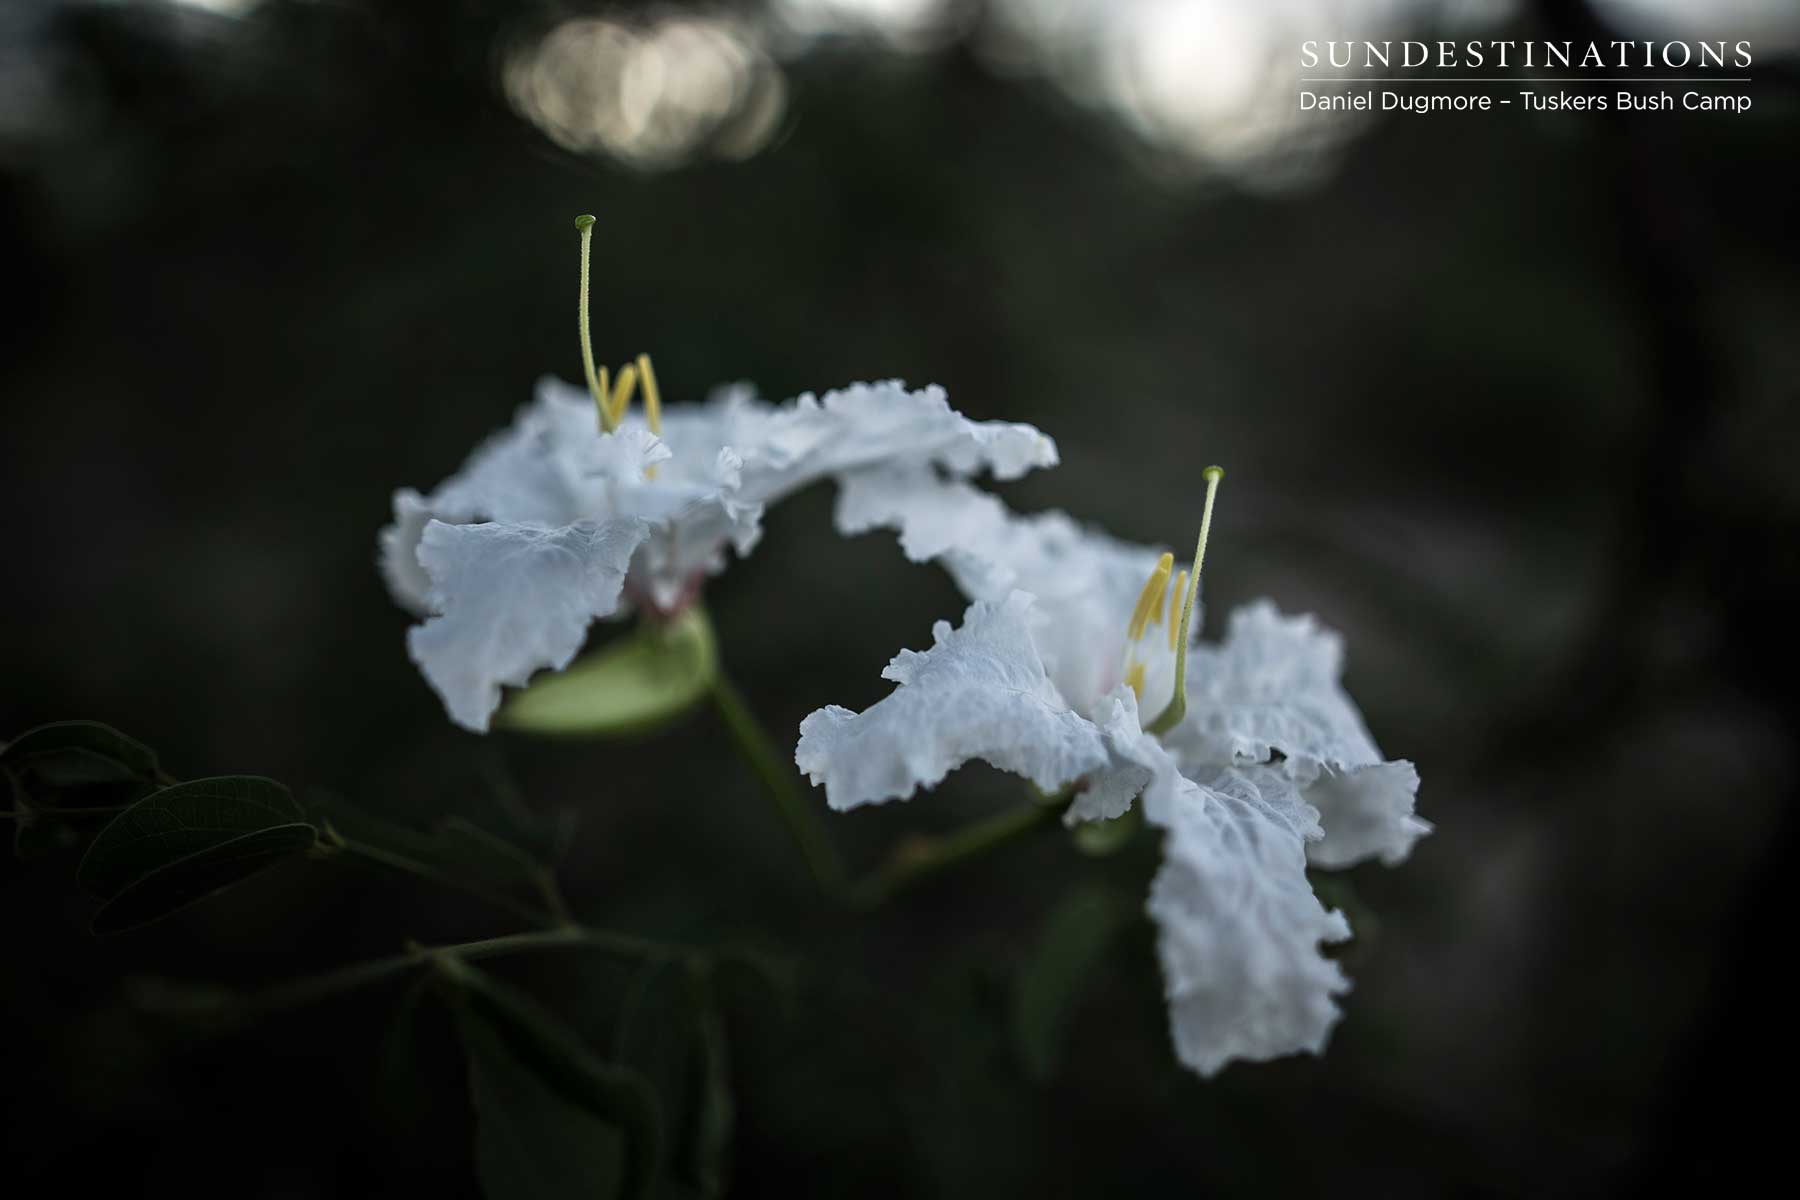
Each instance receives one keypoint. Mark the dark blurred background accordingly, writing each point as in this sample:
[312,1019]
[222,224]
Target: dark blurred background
[1510,400]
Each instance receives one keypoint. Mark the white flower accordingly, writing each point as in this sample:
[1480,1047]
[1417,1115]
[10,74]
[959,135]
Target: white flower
[1045,677]
[1271,688]
[554,523]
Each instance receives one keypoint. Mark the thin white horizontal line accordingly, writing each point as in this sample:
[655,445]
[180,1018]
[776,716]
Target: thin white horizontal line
[1511,79]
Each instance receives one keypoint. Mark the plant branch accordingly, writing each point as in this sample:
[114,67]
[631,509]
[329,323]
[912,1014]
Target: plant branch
[413,866]
[99,811]
[778,780]
[922,857]
[551,891]
[346,979]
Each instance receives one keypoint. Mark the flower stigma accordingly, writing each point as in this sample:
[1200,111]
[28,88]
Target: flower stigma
[596,380]
[613,398]
[1177,708]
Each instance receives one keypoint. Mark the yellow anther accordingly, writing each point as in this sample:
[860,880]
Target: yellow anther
[601,387]
[1150,599]
[621,396]
[1134,679]
[1176,595]
[652,397]
[652,402]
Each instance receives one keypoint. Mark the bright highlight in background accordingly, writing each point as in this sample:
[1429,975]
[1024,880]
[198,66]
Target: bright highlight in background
[652,95]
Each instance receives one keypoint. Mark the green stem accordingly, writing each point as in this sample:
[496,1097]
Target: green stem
[924,857]
[101,810]
[543,878]
[551,891]
[412,866]
[778,779]
[331,983]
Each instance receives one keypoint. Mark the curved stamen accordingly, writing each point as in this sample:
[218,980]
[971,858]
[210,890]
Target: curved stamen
[1177,709]
[652,402]
[596,377]
[1150,599]
[1147,612]
[621,397]
[652,397]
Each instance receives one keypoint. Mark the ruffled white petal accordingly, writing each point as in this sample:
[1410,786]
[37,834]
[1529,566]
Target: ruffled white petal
[693,523]
[734,455]
[542,469]
[1134,758]
[980,692]
[935,518]
[551,467]
[1271,688]
[719,465]
[399,552]
[1238,927]
[512,599]
[1367,813]
[626,455]
[1086,582]
[531,488]
[1272,684]
[874,424]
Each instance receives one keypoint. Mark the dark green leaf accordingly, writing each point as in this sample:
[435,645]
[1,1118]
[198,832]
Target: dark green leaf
[457,844]
[175,885]
[532,1141]
[653,1034]
[1053,979]
[75,753]
[186,842]
[173,825]
[399,1082]
[637,683]
[552,1120]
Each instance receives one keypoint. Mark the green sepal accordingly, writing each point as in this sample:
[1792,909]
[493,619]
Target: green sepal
[631,686]
[1101,838]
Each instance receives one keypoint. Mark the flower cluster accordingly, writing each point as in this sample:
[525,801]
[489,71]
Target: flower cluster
[1077,664]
